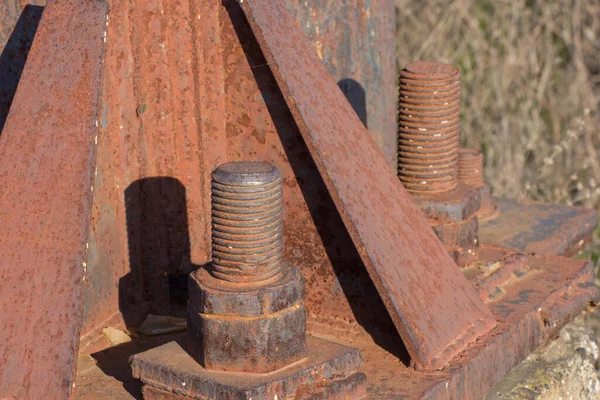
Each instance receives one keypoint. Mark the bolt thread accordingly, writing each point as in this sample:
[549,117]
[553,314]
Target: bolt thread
[247,222]
[470,167]
[428,127]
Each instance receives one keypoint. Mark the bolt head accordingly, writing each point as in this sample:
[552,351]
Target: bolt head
[246,173]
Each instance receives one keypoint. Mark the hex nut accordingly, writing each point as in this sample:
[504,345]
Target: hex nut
[210,295]
[249,329]
[461,239]
[455,206]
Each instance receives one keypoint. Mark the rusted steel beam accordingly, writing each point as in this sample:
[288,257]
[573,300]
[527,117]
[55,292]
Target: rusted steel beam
[46,176]
[432,305]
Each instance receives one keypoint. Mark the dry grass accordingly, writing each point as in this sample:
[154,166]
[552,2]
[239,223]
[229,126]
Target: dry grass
[530,88]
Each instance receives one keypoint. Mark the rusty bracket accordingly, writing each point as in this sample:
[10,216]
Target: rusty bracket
[435,310]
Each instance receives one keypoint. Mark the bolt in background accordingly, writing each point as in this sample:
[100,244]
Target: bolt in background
[470,167]
[429,127]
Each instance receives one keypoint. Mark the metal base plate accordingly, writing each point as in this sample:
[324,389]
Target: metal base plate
[531,311]
[539,228]
[329,371]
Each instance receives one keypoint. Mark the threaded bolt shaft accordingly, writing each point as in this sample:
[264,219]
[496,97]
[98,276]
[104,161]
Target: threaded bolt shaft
[470,167]
[247,222]
[429,127]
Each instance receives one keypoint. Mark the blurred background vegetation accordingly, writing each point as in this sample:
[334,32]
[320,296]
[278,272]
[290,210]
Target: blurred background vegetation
[530,78]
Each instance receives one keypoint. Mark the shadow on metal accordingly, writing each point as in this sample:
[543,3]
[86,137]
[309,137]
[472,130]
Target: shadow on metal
[356,96]
[114,362]
[159,250]
[352,277]
[14,56]
[159,255]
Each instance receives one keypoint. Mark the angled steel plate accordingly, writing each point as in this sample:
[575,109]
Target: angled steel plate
[434,308]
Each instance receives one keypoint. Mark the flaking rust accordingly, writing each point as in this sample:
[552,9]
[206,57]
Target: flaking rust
[359,182]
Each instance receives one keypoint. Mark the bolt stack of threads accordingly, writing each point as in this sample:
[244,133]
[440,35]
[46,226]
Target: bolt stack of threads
[429,127]
[247,223]
[470,172]
[428,142]
[470,167]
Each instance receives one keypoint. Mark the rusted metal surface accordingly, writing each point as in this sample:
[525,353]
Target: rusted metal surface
[453,217]
[241,341]
[356,41]
[46,174]
[490,278]
[186,88]
[530,309]
[461,239]
[539,228]
[428,127]
[329,372]
[470,167]
[455,206]
[340,298]
[227,88]
[530,312]
[19,20]
[151,211]
[246,308]
[360,182]
[166,87]
[10,13]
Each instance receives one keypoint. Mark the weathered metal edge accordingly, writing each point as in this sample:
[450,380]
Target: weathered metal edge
[539,227]
[46,174]
[169,367]
[519,340]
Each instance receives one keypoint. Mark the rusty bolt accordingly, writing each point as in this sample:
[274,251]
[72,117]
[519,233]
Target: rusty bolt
[428,155]
[470,167]
[428,127]
[247,222]
[246,308]
[470,172]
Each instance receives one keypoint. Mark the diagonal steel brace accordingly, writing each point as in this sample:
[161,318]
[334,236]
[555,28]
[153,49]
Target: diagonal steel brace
[435,310]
